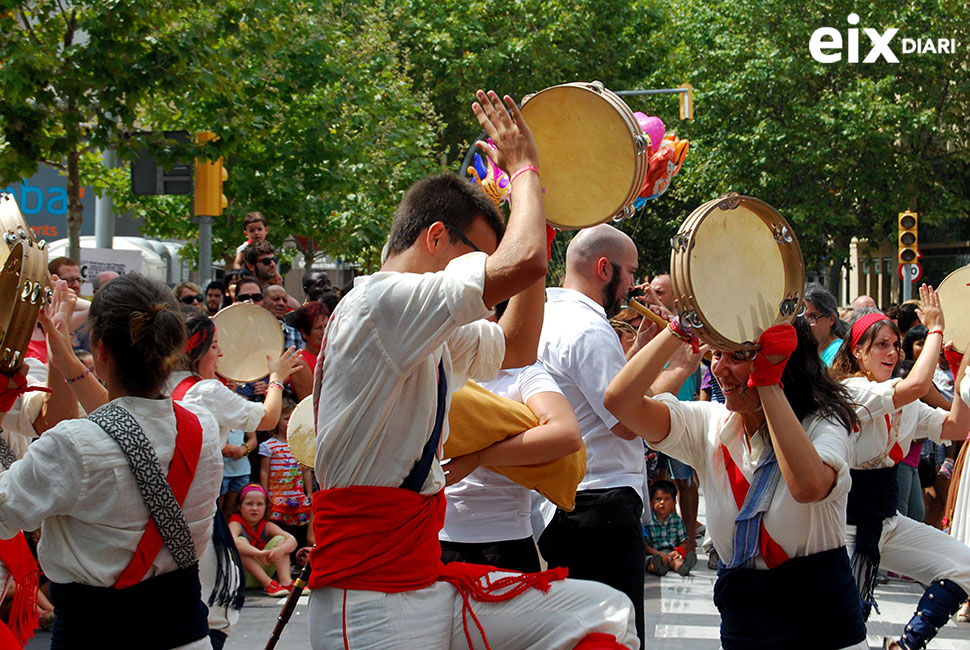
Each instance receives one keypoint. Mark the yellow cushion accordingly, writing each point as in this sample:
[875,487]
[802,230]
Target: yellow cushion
[479,418]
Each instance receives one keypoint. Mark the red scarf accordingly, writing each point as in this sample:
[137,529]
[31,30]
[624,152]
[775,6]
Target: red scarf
[16,556]
[386,539]
[255,537]
[9,395]
[772,552]
[188,448]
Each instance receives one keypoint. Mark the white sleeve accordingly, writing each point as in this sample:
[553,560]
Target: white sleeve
[690,423]
[834,447]
[872,399]
[232,410]
[414,314]
[964,388]
[47,481]
[25,409]
[535,379]
[477,351]
[930,423]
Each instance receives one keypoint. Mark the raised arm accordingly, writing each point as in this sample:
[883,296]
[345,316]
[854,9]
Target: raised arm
[919,380]
[520,259]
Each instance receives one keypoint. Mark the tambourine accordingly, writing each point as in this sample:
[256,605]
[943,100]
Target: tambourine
[593,154]
[247,334]
[736,270]
[954,294]
[13,227]
[23,291]
[301,435]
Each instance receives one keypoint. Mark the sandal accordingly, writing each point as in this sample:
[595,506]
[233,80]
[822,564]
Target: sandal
[660,567]
[963,616]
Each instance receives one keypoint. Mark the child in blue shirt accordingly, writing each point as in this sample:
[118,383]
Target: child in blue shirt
[665,533]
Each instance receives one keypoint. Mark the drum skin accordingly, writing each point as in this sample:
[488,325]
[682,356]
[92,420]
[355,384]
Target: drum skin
[247,334]
[300,433]
[592,154]
[954,298]
[736,270]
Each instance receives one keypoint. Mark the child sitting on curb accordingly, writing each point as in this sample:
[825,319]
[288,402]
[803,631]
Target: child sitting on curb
[665,534]
[263,546]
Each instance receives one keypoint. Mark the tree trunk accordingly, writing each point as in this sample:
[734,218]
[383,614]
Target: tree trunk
[74,207]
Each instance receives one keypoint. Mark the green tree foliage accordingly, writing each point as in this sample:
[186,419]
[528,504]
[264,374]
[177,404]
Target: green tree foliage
[838,148]
[75,74]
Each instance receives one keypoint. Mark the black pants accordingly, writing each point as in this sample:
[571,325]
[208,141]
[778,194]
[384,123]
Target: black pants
[601,540]
[512,554]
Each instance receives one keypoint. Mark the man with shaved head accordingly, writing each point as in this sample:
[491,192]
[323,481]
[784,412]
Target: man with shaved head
[602,538]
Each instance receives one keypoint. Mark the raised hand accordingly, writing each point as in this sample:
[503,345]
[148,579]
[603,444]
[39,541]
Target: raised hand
[514,145]
[931,314]
[288,363]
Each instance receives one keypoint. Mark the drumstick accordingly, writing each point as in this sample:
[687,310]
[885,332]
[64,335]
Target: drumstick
[646,312]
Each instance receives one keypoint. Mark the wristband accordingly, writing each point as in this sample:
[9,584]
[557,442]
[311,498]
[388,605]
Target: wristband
[275,383]
[522,170]
[940,332]
[685,335]
[79,377]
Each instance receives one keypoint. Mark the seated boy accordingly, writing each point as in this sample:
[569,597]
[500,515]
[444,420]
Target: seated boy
[665,534]
[254,225]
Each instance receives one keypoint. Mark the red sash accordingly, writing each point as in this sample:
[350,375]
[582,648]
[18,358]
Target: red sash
[16,556]
[184,386]
[773,554]
[188,447]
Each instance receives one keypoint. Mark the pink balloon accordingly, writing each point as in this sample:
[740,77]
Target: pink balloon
[653,126]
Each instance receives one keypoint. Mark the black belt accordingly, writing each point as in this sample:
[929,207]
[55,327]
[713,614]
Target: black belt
[161,612]
[806,602]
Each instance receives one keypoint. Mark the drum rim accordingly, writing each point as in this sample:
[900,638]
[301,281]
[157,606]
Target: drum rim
[12,220]
[684,294]
[222,312]
[952,317]
[30,295]
[641,157]
[293,428]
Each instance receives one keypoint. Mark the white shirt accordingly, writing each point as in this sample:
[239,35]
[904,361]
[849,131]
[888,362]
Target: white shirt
[231,410]
[873,402]
[583,354]
[380,374]
[485,506]
[75,482]
[697,431]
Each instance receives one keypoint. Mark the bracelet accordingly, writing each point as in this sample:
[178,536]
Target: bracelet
[684,334]
[278,384]
[246,446]
[940,332]
[79,377]
[522,170]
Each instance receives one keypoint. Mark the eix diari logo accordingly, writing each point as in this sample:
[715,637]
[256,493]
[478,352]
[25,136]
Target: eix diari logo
[826,44]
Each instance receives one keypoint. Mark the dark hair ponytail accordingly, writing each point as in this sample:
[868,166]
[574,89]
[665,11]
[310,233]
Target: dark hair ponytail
[807,383]
[138,321]
[200,332]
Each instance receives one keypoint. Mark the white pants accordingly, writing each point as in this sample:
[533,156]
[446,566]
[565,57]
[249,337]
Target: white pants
[919,551]
[431,618]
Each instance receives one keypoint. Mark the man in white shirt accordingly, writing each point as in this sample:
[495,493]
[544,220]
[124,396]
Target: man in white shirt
[395,349]
[602,539]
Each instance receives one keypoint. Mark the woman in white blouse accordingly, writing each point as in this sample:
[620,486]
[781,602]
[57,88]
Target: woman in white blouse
[773,461]
[891,416]
[77,484]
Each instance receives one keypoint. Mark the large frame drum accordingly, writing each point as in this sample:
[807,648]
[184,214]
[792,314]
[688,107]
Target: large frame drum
[954,294]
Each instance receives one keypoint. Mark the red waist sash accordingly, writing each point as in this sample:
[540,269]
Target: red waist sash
[770,550]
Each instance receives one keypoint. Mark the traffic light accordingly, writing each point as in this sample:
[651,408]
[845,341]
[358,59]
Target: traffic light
[908,248]
[209,177]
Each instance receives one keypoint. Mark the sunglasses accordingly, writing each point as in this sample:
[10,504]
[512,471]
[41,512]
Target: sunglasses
[461,237]
[254,297]
[189,300]
[266,261]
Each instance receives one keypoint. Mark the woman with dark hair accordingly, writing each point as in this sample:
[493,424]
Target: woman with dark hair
[822,313]
[891,415]
[311,319]
[124,497]
[773,462]
[200,386]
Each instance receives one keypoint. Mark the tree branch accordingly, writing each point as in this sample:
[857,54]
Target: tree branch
[30,28]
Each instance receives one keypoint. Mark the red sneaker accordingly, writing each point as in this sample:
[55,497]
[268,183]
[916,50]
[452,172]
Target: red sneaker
[275,590]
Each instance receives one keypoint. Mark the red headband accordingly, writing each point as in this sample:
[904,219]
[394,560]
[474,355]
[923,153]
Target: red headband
[195,340]
[860,326]
[252,487]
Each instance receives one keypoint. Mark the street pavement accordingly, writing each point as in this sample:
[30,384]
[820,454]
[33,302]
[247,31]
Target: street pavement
[679,615]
